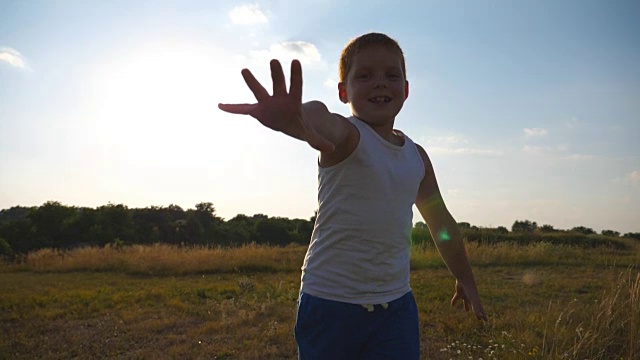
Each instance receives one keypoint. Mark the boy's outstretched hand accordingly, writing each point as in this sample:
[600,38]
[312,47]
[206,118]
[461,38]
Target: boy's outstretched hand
[281,111]
[470,300]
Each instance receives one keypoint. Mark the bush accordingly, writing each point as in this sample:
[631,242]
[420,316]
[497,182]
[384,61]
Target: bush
[420,236]
[5,249]
[632,236]
[610,233]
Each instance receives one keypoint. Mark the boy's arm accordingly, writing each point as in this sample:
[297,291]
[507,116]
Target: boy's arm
[447,238]
[283,111]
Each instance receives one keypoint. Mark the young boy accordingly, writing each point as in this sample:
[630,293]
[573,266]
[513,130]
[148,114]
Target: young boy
[355,299]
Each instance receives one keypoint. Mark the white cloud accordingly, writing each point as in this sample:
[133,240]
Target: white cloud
[454,145]
[464,151]
[539,150]
[13,58]
[557,152]
[248,14]
[530,132]
[286,51]
[331,84]
[632,178]
[443,141]
[579,157]
[449,140]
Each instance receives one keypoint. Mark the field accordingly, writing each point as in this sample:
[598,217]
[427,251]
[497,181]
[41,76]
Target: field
[162,302]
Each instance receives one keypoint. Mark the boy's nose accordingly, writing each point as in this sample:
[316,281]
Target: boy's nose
[380,83]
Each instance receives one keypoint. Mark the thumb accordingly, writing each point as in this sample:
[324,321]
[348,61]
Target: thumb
[243,109]
[455,299]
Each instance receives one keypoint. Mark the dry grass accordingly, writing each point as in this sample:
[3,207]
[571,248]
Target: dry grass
[165,302]
[163,259]
[613,328]
[536,254]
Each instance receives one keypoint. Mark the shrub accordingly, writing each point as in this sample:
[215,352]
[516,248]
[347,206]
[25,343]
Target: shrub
[632,235]
[5,249]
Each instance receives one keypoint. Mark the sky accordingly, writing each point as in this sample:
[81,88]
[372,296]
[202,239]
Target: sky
[529,110]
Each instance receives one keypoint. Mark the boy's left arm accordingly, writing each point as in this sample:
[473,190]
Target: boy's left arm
[447,238]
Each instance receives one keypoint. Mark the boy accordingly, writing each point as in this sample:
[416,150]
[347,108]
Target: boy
[355,299]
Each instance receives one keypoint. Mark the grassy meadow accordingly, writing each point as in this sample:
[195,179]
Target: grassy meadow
[162,302]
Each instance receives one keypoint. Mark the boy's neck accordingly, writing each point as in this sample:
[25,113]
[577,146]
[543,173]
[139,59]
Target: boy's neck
[386,131]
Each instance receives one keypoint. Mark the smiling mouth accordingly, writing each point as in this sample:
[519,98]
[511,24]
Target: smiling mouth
[380,99]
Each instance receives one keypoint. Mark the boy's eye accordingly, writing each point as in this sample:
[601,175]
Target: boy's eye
[362,76]
[393,76]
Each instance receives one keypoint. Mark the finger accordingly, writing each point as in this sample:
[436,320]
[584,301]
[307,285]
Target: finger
[481,316]
[244,109]
[254,85]
[295,90]
[277,75]
[479,311]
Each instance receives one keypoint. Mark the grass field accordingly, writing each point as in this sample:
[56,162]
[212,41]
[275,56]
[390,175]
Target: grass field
[162,302]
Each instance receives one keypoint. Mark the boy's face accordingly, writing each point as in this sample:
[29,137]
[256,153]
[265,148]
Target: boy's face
[375,85]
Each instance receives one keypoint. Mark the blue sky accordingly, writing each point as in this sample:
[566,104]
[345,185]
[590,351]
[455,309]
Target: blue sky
[528,109]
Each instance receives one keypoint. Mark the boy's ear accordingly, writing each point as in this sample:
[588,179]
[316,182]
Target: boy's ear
[406,89]
[342,93]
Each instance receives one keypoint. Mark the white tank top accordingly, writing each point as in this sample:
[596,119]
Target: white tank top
[361,242]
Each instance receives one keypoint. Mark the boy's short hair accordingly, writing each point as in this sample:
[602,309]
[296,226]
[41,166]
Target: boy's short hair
[365,41]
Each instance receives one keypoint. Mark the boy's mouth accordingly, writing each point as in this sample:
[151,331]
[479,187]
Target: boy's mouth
[380,99]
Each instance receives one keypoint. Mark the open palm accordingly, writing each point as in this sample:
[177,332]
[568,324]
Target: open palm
[281,111]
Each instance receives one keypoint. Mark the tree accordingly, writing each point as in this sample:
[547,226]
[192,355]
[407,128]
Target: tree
[547,229]
[52,222]
[113,222]
[312,220]
[610,233]
[464,226]
[274,231]
[12,214]
[583,230]
[212,226]
[524,226]
[301,230]
[20,235]
[632,235]
[502,230]
[5,249]
[421,225]
[240,230]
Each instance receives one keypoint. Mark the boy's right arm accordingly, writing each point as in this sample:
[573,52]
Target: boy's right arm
[283,111]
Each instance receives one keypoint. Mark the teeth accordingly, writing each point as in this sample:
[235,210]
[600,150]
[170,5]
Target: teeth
[379,99]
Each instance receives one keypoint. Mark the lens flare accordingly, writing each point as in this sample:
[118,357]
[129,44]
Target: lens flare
[444,235]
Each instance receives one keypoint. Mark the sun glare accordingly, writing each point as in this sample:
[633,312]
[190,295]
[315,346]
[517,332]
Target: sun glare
[158,128]
[162,97]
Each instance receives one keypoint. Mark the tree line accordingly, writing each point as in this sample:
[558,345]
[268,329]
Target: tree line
[525,232]
[54,225]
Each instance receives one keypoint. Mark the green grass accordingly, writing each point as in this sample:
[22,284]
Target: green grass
[164,302]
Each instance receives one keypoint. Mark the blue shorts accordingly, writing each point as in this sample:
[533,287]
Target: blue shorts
[327,329]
